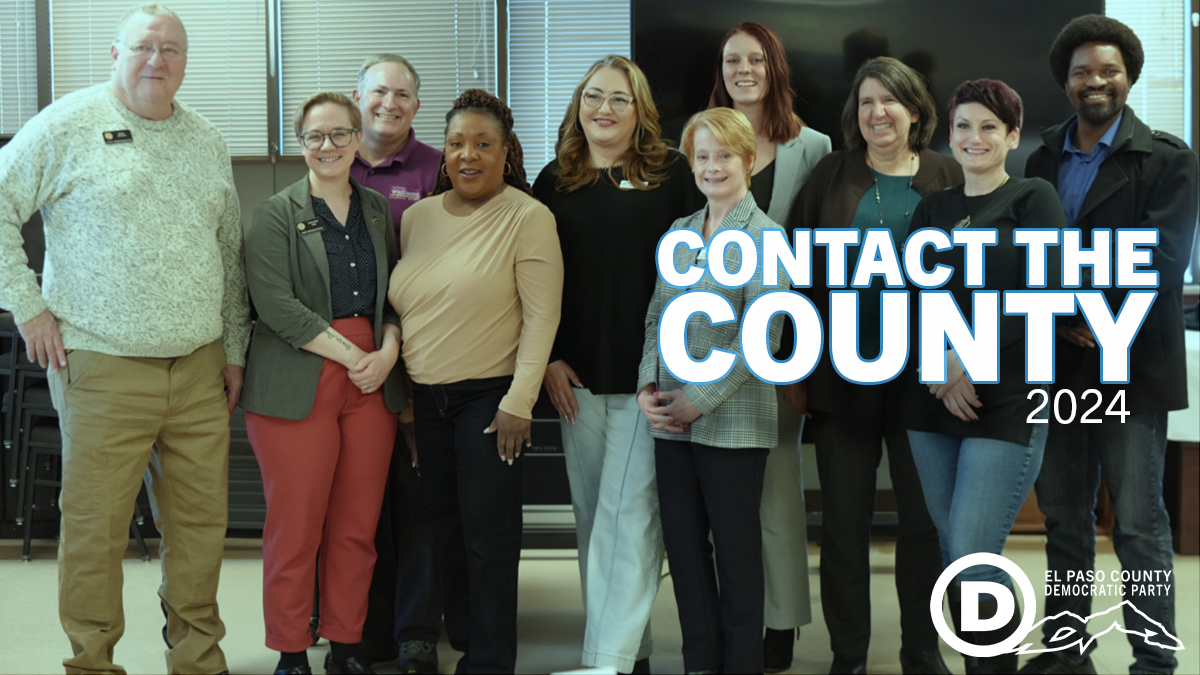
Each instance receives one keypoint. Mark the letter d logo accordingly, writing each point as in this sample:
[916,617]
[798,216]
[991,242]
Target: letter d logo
[971,590]
[1005,604]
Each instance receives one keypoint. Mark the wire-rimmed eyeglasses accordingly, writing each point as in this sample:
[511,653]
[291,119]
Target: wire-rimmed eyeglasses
[618,102]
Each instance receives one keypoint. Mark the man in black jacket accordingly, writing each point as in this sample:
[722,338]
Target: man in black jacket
[1112,171]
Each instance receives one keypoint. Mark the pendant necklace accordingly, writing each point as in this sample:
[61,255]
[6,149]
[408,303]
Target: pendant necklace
[966,222]
[879,197]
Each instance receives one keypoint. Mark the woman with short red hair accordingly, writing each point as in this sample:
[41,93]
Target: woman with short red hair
[977,446]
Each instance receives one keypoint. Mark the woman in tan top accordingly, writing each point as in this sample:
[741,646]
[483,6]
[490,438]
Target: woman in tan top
[478,288]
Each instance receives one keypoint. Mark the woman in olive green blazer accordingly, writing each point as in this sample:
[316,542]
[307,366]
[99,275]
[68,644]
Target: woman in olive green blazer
[322,387]
[293,300]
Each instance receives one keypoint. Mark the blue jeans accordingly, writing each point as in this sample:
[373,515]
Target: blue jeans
[1130,458]
[974,488]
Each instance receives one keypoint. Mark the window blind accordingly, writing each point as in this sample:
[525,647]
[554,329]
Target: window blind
[1159,97]
[18,65]
[450,43]
[551,45]
[226,78]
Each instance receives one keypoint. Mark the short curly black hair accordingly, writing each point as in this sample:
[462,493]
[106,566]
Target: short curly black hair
[1095,28]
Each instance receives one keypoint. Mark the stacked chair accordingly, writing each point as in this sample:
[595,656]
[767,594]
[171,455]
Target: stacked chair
[32,439]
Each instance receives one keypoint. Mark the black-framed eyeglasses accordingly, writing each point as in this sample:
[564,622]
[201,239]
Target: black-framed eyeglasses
[618,102]
[340,138]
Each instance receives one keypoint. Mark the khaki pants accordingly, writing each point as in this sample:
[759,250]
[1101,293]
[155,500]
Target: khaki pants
[118,416]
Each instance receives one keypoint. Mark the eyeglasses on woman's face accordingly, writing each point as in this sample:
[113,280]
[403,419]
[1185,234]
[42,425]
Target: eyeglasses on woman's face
[618,102]
[315,139]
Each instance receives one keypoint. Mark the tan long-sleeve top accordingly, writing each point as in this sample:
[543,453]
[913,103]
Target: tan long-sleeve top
[479,296]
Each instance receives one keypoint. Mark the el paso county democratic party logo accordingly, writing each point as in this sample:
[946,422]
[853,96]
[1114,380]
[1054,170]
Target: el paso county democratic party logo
[1066,637]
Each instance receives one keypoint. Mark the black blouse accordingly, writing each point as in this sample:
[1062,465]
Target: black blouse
[351,253]
[608,235]
[1019,203]
[762,185]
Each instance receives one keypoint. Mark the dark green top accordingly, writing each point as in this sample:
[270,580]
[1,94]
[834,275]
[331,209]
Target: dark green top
[894,205]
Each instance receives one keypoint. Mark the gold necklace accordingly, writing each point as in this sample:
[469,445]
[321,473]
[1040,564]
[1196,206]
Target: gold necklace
[966,222]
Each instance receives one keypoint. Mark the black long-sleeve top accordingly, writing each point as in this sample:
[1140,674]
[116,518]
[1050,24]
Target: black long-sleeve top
[608,237]
[1019,203]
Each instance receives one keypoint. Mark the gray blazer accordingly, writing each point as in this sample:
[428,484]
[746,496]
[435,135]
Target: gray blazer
[287,271]
[794,160]
[738,410]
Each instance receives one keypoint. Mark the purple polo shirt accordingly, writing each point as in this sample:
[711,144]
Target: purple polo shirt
[409,175]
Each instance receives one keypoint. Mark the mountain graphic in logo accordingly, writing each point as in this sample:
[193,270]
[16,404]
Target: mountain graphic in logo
[1069,636]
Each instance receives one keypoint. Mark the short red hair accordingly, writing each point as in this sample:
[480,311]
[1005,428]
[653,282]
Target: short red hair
[994,95]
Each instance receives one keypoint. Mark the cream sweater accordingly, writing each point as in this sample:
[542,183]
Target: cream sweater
[143,238]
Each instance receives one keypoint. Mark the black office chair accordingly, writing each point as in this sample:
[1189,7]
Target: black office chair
[31,403]
[43,446]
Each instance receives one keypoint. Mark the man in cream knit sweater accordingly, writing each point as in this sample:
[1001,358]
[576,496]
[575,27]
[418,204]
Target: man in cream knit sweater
[143,321]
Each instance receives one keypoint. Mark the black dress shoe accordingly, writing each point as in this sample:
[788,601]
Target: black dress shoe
[417,656]
[295,670]
[919,663]
[848,665]
[1058,663]
[378,651]
[777,649]
[351,666]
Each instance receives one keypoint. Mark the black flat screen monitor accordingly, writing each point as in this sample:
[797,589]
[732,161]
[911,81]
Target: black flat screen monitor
[676,42]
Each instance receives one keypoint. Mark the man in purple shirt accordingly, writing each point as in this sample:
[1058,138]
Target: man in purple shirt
[403,619]
[391,161]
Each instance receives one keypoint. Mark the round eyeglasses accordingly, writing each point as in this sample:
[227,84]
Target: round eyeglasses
[340,138]
[618,102]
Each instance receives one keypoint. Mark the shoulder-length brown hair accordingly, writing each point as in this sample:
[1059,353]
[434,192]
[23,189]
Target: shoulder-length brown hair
[907,86]
[780,121]
[644,163]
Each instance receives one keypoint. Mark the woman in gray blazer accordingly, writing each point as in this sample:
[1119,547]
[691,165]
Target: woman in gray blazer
[711,439]
[322,392]
[753,78]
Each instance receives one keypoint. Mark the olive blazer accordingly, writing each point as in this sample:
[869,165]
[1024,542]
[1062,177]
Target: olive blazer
[287,271]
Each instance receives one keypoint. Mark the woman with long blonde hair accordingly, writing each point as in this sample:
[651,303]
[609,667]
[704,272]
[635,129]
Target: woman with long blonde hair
[614,188]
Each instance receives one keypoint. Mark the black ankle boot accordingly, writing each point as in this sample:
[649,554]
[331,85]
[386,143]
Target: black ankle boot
[1002,664]
[777,649]
[954,596]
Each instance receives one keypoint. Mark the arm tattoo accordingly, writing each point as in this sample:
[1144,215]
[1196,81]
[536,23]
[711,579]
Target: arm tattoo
[329,333]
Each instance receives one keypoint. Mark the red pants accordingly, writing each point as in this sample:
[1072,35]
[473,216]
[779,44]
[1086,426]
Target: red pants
[324,479]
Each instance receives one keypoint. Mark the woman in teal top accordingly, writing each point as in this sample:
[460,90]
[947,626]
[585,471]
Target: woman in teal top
[875,182]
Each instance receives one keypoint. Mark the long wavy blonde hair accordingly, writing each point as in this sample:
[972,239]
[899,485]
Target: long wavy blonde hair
[644,164]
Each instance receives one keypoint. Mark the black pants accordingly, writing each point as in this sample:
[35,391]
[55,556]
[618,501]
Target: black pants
[848,453]
[402,604]
[703,490]
[473,500]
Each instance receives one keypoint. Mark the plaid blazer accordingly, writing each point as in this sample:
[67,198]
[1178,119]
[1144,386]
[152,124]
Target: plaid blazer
[739,410]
